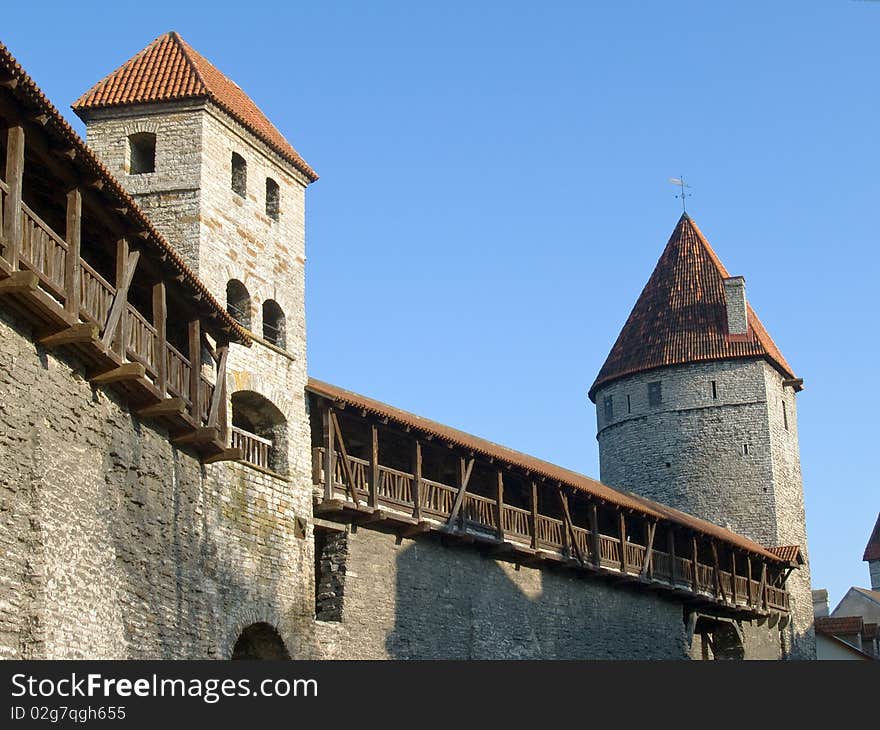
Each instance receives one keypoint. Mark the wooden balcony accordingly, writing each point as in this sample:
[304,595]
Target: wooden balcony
[255,450]
[413,504]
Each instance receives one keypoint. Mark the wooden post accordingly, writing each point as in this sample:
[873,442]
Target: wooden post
[671,549]
[463,477]
[195,369]
[217,396]
[222,417]
[14,177]
[160,319]
[695,580]
[733,575]
[417,478]
[499,500]
[329,453]
[623,562]
[750,598]
[716,571]
[648,564]
[119,334]
[594,535]
[73,236]
[374,465]
[534,515]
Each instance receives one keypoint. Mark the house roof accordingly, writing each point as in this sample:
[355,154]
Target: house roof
[681,316]
[790,553]
[835,626]
[873,595]
[170,70]
[31,97]
[536,466]
[872,549]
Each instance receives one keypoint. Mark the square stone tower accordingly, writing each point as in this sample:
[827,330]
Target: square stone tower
[227,189]
[696,409]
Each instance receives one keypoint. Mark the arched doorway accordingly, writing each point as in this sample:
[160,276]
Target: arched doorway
[259,429]
[260,641]
[719,639]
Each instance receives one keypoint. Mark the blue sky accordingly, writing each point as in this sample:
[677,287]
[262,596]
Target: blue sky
[494,195]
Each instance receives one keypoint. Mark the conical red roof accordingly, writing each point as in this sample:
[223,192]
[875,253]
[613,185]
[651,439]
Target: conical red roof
[681,316]
[169,70]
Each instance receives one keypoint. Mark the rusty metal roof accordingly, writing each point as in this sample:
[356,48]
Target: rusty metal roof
[536,466]
[29,94]
[681,315]
[170,70]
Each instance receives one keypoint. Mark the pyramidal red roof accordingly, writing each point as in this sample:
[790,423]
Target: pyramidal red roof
[872,549]
[681,316]
[169,70]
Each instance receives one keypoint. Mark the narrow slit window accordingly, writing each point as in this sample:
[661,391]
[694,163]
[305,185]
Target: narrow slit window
[609,408]
[239,175]
[714,390]
[141,153]
[784,415]
[273,199]
[629,408]
[745,450]
[655,393]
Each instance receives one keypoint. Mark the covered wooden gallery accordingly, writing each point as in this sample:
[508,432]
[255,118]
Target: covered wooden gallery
[396,471]
[82,263]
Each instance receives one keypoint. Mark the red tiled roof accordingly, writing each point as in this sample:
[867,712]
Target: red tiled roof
[681,316]
[844,625]
[536,466]
[789,553]
[872,549]
[169,70]
[31,96]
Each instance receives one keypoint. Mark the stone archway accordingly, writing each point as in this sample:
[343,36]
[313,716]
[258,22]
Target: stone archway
[260,641]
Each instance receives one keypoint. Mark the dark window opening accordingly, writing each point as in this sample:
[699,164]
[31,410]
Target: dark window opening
[609,408]
[784,416]
[745,450]
[273,323]
[655,393]
[714,389]
[238,302]
[260,641]
[629,405]
[141,153]
[239,175]
[273,199]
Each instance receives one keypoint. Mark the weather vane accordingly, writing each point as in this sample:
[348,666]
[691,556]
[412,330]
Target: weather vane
[683,195]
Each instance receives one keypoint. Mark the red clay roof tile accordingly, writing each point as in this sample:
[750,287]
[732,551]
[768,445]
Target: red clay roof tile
[169,70]
[681,316]
[839,625]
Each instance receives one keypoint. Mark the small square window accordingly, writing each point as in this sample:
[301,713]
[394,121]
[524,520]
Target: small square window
[655,393]
[141,153]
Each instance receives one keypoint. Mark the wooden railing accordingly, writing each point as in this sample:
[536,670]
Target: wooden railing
[206,394]
[43,251]
[4,191]
[141,340]
[255,449]
[96,295]
[436,500]
[177,371]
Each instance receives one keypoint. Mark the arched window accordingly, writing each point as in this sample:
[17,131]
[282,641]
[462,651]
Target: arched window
[273,323]
[260,641]
[273,199]
[259,429]
[141,153]
[239,175]
[238,302]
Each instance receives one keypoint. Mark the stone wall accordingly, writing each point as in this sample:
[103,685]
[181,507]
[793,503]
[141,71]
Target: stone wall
[116,544]
[723,454]
[422,600]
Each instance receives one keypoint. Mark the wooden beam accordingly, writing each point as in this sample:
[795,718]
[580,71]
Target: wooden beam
[120,300]
[749,596]
[595,543]
[166,407]
[71,262]
[499,501]
[464,476]
[649,548]
[78,333]
[12,208]
[534,501]
[346,464]
[417,478]
[195,369]
[623,560]
[225,455]
[160,319]
[126,371]
[733,575]
[202,435]
[670,539]
[762,592]
[568,527]
[329,452]
[374,465]
[719,586]
[695,579]
[19,282]
[216,396]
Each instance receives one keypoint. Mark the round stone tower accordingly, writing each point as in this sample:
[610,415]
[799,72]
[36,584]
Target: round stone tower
[696,409]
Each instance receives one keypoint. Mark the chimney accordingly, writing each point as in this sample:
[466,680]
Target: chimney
[820,603]
[735,297]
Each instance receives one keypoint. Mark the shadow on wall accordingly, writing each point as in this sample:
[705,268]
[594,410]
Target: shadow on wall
[452,603]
